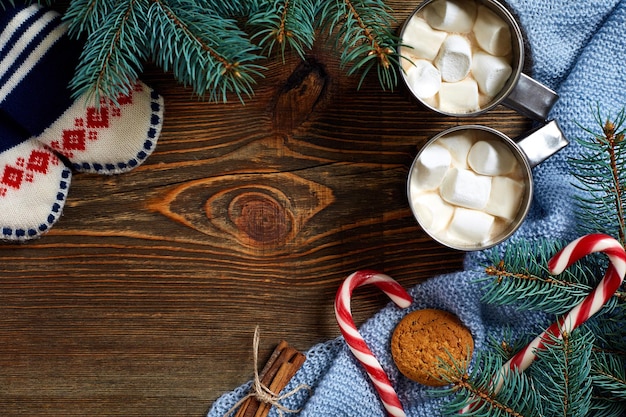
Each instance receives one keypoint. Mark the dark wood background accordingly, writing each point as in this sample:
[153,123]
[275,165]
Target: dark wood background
[143,299]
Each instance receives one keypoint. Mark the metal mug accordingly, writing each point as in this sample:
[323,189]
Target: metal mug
[520,92]
[528,151]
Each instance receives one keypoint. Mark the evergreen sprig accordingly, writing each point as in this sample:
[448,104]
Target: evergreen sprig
[361,29]
[232,8]
[4,3]
[601,175]
[113,56]
[608,373]
[218,47]
[562,374]
[517,396]
[86,16]
[508,346]
[285,24]
[517,278]
[202,49]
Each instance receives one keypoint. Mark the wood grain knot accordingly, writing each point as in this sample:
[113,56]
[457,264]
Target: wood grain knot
[262,213]
[261,217]
[299,96]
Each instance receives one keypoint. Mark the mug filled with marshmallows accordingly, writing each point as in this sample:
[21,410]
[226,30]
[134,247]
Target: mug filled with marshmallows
[470,187]
[464,57]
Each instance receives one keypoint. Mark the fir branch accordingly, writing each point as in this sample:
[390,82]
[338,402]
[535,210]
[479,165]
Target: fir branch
[86,16]
[286,23]
[610,331]
[361,29]
[112,57]
[518,278]
[231,8]
[602,178]
[5,3]
[121,35]
[608,373]
[562,373]
[516,398]
[508,346]
[203,49]
[604,408]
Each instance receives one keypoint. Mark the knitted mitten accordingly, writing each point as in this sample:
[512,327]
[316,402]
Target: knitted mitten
[33,184]
[37,61]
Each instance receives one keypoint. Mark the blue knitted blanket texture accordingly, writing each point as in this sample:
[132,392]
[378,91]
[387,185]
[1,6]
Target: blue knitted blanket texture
[578,48]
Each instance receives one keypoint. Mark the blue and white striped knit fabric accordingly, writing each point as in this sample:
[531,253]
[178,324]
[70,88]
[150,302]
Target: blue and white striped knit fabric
[579,49]
[33,180]
[36,65]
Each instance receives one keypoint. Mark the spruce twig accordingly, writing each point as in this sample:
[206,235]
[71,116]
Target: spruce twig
[520,277]
[203,49]
[601,175]
[562,373]
[608,373]
[516,398]
[285,24]
[114,52]
[362,28]
[86,16]
[201,42]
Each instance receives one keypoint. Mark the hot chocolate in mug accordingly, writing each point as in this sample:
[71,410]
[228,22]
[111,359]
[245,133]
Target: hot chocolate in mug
[464,57]
[470,187]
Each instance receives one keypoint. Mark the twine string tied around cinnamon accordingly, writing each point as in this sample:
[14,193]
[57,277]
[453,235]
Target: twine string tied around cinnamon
[262,392]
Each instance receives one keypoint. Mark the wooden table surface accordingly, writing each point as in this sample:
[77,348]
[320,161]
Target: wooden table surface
[143,299]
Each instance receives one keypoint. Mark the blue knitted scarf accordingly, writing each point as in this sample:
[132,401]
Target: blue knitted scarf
[578,49]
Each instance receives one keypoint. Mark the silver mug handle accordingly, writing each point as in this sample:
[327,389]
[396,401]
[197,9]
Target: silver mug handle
[542,142]
[531,98]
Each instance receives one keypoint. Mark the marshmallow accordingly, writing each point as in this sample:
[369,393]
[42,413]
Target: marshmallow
[432,212]
[506,197]
[451,15]
[406,58]
[454,60]
[431,166]
[491,158]
[490,72]
[492,33]
[470,226]
[463,188]
[421,39]
[461,97]
[459,144]
[424,79]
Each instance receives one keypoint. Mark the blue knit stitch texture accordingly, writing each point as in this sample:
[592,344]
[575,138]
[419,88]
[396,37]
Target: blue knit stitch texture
[578,48]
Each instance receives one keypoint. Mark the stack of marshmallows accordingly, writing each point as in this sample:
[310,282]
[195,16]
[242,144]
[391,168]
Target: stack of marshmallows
[466,188]
[458,54]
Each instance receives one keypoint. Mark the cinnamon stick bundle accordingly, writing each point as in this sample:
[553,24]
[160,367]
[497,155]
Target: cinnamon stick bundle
[275,375]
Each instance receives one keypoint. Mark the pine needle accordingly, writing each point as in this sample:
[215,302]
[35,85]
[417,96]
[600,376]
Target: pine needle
[520,277]
[203,50]
[112,57]
[516,397]
[562,373]
[361,30]
[202,43]
[285,24]
[602,178]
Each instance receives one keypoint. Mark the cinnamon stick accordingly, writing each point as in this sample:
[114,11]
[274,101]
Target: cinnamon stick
[275,375]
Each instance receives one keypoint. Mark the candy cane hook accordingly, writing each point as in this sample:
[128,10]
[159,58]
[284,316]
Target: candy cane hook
[590,305]
[355,341]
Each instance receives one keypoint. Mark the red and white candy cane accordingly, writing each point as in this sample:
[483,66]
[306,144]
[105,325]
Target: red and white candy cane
[355,341]
[613,278]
